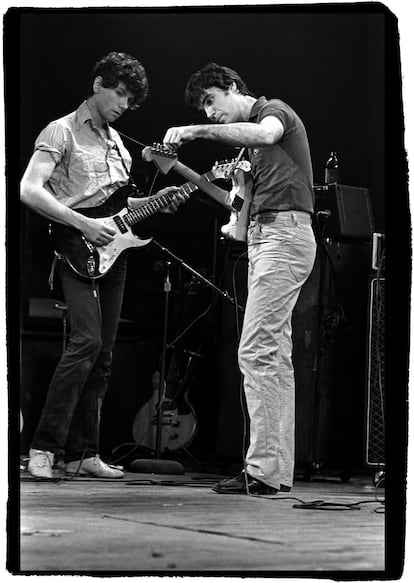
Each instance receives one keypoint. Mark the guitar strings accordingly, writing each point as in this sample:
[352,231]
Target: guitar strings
[144,146]
[132,139]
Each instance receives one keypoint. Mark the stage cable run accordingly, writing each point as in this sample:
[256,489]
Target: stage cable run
[208,482]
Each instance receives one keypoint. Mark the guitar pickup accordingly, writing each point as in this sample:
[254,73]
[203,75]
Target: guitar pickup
[120,224]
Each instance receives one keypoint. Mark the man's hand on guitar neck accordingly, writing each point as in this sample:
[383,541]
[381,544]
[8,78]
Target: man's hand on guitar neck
[178,199]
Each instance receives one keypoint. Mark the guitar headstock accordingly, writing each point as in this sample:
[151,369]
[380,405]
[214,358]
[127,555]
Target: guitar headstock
[162,156]
[226,169]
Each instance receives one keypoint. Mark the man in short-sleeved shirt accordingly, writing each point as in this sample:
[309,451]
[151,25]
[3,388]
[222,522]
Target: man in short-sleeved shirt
[281,252]
[80,161]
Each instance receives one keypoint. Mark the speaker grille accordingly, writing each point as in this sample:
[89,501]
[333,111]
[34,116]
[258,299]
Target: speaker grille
[375,443]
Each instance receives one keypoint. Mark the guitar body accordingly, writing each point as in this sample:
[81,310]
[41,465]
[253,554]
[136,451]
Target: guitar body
[178,419]
[178,422]
[87,259]
[178,428]
[241,197]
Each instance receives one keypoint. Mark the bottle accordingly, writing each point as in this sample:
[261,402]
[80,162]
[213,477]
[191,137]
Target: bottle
[332,169]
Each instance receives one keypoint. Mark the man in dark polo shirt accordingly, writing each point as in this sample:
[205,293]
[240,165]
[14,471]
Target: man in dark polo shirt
[281,251]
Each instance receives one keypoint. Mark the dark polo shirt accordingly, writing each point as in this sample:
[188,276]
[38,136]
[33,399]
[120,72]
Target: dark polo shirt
[282,173]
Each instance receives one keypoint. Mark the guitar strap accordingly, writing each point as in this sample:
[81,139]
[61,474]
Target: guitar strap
[139,144]
[130,179]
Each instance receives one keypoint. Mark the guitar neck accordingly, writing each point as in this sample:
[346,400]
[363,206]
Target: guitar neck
[203,183]
[160,202]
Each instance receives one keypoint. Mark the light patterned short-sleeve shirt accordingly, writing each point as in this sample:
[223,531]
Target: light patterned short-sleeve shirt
[90,162]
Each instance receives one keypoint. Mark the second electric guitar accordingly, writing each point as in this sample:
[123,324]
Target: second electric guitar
[237,201]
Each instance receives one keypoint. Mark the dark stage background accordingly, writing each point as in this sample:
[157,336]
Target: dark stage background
[333,67]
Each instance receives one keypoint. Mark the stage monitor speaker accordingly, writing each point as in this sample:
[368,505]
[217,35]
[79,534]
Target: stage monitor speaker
[349,213]
[375,406]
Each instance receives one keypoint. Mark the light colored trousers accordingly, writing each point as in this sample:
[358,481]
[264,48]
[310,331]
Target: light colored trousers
[281,250]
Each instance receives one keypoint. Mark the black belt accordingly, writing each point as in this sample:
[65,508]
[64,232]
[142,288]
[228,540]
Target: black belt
[270,216]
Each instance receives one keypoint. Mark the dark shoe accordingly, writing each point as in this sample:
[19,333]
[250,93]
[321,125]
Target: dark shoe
[237,485]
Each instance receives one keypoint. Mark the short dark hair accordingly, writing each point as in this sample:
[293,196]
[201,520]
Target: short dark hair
[211,75]
[117,68]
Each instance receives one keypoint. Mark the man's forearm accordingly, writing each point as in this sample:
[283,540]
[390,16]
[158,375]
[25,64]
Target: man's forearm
[42,202]
[235,134]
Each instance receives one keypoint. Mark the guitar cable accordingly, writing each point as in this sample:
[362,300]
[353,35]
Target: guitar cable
[143,146]
[241,393]
[132,139]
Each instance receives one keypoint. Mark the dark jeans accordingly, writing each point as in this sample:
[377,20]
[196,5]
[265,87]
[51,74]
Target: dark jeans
[69,423]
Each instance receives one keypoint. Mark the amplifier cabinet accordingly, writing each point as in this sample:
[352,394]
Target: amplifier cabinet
[349,213]
[375,402]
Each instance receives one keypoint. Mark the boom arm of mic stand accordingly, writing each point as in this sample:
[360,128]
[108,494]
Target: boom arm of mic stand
[225,294]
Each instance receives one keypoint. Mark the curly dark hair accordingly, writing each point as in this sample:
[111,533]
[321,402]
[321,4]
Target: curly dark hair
[211,75]
[117,68]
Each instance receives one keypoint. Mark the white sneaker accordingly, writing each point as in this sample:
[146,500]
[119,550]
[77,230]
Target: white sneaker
[93,466]
[41,463]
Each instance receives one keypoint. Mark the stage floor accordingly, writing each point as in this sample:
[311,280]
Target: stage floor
[175,524]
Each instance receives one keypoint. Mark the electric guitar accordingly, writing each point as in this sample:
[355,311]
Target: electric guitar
[93,261]
[241,197]
[238,200]
[177,416]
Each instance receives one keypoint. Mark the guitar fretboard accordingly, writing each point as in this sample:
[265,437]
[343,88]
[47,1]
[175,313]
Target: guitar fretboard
[160,202]
[150,208]
[189,187]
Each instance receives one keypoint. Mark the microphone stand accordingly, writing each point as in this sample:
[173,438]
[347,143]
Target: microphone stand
[167,289]
[200,277]
[157,465]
